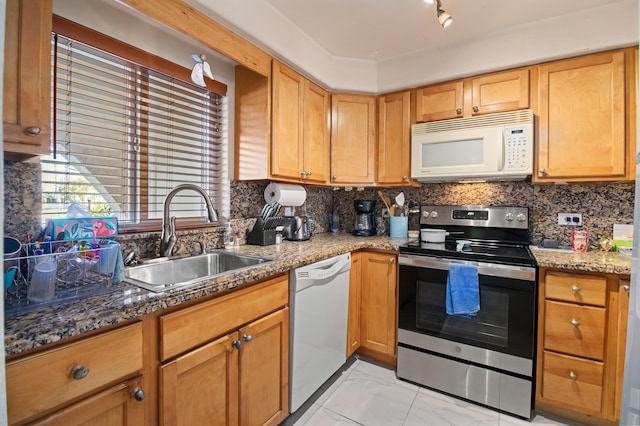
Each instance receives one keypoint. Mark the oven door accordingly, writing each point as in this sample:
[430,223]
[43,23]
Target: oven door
[505,322]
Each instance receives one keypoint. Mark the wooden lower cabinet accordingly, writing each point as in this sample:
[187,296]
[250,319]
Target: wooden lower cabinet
[582,326]
[378,310]
[240,378]
[355,295]
[95,380]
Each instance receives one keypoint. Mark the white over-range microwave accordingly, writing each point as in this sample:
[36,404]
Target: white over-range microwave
[488,147]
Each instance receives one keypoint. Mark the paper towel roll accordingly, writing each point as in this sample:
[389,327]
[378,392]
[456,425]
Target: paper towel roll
[285,194]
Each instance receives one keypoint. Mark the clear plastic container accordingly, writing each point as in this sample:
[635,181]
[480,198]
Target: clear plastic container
[42,287]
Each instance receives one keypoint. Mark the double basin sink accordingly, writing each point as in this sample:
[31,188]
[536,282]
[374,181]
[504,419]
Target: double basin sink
[166,273]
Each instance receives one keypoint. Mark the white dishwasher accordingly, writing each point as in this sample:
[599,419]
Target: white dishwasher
[319,304]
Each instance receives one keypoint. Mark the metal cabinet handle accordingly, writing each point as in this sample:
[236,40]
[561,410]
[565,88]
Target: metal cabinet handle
[626,288]
[137,394]
[575,322]
[247,337]
[458,111]
[33,130]
[476,109]
[79,372]
[575,288]
[405,177]
[334,177]
[543,171]
[392,260]
[237,344]
[573,376]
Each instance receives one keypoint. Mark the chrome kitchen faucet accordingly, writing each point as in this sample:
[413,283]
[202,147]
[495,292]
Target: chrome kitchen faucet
[168,238]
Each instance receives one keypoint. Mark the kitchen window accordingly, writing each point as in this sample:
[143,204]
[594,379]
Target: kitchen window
[124,134]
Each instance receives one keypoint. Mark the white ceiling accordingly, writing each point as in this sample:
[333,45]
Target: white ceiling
[378,46]
[383,29]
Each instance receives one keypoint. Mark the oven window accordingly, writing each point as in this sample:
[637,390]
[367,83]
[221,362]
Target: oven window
[489,327]
[505,322]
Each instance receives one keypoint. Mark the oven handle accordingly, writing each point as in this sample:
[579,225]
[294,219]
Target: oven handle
[489,269]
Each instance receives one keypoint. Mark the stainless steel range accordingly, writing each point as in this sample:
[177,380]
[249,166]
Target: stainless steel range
[487,358]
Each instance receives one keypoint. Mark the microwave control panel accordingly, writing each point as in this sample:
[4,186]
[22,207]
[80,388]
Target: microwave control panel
[517,143]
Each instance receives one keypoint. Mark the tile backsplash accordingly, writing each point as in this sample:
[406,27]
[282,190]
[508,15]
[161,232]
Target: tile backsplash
[601,206]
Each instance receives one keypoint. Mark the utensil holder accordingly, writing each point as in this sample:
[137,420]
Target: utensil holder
[399,227]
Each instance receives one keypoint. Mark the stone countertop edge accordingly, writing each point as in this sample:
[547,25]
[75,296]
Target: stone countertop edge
[123,302]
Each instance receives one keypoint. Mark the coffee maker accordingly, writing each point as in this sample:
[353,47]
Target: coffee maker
[365,225]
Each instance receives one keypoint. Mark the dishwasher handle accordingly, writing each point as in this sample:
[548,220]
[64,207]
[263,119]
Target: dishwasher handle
[324,270]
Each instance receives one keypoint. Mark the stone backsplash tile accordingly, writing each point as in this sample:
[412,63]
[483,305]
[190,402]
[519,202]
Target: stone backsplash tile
[601,205]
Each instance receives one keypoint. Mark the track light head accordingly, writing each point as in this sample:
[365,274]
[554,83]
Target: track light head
[443,17]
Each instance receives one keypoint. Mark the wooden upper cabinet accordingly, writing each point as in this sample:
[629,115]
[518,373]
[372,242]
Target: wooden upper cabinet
[353,139]
[300,133]
[316,136]
[586,127]
[394,144]
[500,92]
[491,93]
[27,76]
[440,102]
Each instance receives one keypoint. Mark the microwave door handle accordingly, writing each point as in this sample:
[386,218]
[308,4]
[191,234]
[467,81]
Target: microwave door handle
[503,148]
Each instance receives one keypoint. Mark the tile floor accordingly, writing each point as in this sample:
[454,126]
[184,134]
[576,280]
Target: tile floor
[366,393]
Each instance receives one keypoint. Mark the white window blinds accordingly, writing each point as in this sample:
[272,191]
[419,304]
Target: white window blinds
[125,135]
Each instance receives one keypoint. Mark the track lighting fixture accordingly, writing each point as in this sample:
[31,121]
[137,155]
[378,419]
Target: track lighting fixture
[444,18]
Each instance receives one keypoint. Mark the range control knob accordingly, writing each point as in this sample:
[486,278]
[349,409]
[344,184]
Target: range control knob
[508,217]
[521,217]
[434,214]
[425,214]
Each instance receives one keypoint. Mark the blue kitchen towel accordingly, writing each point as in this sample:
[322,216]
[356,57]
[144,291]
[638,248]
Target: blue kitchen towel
[118,273]
[463,292]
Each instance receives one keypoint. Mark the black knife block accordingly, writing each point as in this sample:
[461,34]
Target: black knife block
[264,232]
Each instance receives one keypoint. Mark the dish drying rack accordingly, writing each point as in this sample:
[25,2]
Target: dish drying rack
[81,270]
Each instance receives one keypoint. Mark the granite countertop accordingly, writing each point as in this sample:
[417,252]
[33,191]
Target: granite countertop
[592,261]
[52,323]
[55,322]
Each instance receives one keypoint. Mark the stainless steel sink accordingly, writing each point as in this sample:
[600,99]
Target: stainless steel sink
[170,272]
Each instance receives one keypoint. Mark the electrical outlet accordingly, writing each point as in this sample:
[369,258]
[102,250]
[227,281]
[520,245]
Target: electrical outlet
[570,219]
[385,213]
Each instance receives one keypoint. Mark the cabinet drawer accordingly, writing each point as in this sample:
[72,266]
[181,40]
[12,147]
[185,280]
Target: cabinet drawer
[572,381]
[42,382]
[588,289]
[191,327]
[574,329]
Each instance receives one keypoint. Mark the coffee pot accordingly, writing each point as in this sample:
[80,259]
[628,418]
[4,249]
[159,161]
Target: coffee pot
[365,223]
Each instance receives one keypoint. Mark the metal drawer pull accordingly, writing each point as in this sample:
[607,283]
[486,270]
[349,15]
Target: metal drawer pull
[237,344]
[575,322]
[79,372]
[33,130]
[575,288]
[626,288]
[137,394]
[247,337]
[573,376]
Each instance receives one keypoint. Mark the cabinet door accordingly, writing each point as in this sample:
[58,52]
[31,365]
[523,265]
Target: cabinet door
[505,91]
[378,310]
[355,294]
[27,70]
[353,139]
[394,149]
[201,387]
[264,370]
[119,405]
[440,102]
[316,134]
[581,130]
[286,136]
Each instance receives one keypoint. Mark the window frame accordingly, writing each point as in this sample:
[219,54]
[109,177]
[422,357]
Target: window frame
[130,53]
